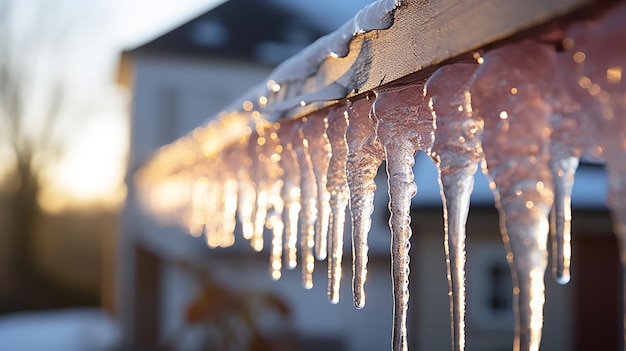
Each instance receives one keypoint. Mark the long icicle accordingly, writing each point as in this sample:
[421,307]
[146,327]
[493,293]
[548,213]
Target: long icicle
[308,203]
[365,154]
[258,170]
[574,135]
[247,188]
[270,150]
[290,190]
[569,139]
[337,186]
[457,152]
[230,194]
[319,150]
[404,126]
[563,170]
[509,93]
[212,205]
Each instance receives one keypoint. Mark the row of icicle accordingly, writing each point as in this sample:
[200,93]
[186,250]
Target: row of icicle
[526,112]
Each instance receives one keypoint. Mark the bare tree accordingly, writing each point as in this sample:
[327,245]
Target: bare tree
[34,99]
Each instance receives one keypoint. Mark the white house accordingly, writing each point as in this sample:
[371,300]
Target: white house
[185,77]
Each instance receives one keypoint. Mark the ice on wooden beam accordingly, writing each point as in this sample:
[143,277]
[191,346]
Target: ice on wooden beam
[377,15]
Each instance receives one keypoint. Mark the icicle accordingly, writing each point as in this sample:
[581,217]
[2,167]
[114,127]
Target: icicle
[247,191]
[563,170]
[230,194]
[273,173]
[223,184]
[269,185]
[404,126]
[509,93]
[290,191]
[179,184]
[308,203]
[257,170]
[319,149]
[259,219]
[365,154]
[457,152]
[575,127]
[609,56]
[213,204]
[564,159]
[600,54]
[573,137]
[200,202]
[337,186]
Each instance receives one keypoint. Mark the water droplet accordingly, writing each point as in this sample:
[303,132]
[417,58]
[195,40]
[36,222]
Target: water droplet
[568,43]
[614,75]
[247,106]
[584,82]
[273,86]
[579,57]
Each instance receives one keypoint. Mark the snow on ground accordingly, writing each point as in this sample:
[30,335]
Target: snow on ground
[87,329]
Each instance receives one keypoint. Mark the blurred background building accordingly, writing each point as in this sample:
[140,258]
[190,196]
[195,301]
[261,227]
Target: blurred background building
[86,274]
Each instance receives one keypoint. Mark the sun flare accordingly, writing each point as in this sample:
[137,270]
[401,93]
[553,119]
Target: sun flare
[92,170]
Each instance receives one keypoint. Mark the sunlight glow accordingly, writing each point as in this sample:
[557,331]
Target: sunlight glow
[92,170]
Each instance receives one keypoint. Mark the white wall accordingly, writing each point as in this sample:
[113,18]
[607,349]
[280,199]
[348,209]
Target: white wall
[430,302]
[172,96]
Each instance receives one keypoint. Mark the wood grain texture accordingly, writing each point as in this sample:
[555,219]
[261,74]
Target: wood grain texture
[424,33]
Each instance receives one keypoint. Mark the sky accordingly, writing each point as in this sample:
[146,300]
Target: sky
[137,21]
[94,172]
[92,168]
